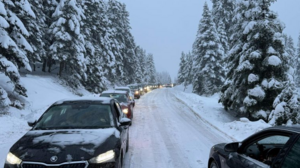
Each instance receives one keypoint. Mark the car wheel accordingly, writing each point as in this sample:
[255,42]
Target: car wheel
[119,164]
[127,144]
[213,164]
[131,109]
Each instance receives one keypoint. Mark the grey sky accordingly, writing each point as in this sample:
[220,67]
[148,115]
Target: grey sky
[166,28]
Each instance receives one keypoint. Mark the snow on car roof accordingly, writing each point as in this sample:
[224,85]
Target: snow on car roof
[115,91]
[105,100]
[123,87]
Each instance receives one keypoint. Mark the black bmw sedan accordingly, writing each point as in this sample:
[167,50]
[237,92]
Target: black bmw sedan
[81,133]
[274,147]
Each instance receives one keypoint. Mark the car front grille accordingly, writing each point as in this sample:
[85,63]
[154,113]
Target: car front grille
[64,165]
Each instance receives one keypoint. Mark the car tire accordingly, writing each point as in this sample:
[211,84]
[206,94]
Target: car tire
[127,144]
[213,164]
[131,110]
[119,162]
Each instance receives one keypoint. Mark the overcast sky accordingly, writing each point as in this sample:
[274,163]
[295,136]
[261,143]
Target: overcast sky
[166,28]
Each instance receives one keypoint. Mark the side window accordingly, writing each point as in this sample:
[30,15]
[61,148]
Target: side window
[267,148]
[292,158]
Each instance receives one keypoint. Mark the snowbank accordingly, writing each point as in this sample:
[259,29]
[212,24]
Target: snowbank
[212,112]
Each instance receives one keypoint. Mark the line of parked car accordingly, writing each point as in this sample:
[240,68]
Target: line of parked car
[78,133]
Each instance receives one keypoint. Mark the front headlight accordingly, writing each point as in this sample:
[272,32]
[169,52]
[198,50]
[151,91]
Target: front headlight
[125,110]
[108,156]
[136,92]
[12,159]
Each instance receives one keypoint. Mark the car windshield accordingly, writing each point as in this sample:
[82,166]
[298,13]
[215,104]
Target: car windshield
[118,96]
[76,116]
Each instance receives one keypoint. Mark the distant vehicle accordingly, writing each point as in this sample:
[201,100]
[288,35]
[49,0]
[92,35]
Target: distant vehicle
[169,85]
[127,89]
[274,147]
[123,98]
[136,90]
[78,133]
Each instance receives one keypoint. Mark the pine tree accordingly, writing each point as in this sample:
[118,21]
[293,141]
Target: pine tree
[208,53]
[68,43]
[188,76]
[36,26]
[139,64]
[49,6]
[258,61]
[182,64]
[297,71]
[116,26]
[223,12]
[129,57]
[92,31]
[141,55]
[163,78]
[13,35]
[150,69]
[291,51]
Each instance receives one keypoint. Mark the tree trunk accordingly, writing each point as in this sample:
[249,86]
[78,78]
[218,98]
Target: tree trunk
[61,68]
[44,65]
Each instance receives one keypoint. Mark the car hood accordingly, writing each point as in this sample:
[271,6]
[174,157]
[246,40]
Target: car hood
[67,145]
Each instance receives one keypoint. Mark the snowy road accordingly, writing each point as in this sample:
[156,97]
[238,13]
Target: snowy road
[167,134]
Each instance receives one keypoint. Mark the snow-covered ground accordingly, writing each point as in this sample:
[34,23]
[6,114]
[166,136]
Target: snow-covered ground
[171,128]
[212,112]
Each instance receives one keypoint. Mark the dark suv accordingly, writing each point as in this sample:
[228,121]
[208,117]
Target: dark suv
[81,133]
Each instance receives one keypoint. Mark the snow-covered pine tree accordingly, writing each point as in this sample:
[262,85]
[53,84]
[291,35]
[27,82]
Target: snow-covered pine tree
[258,62]
[297,70]
[68,43]
[182,64]
[141,55]
[291,50]
[49,7]
[13,35]
[222,13]
[92,30]
[150,69]
[117,43]
[208,54]
[187,71]
[36,26]
[129,58]
[163,78]
[139,67]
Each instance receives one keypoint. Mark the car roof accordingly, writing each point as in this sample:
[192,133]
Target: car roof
[123,87]
[103,100]
[115,91]
[293,128]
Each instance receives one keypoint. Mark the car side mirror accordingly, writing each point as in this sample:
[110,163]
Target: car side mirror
[31,123]
[232,147]
[125,121]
